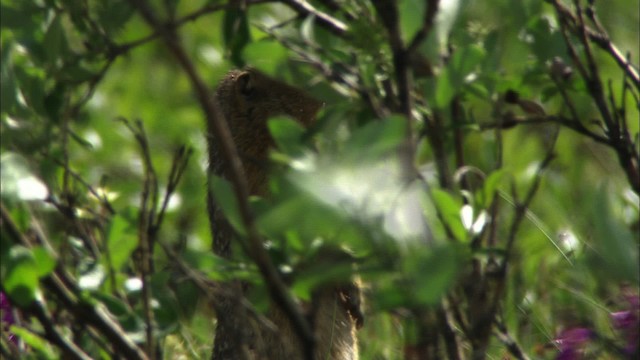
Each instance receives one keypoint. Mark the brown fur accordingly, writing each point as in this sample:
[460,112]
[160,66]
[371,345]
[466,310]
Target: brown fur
[248,99]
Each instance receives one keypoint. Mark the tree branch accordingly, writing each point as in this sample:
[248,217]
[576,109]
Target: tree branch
[306,9]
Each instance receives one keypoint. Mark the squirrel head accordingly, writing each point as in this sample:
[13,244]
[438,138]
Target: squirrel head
[256,97]
[248,98]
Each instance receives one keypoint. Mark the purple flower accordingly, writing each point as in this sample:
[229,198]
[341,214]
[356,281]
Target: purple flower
[6,319]
[5,308]
[627,322]
[571,341]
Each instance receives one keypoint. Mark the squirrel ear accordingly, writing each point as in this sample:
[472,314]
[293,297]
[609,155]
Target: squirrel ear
[245,83]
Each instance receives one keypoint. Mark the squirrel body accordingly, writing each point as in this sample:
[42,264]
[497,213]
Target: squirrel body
[248,98]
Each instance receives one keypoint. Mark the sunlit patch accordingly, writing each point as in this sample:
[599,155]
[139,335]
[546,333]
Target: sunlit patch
[174,202]
[93,138]
[569,241]
[12,123]
[92,279]
[211,55]
[17,181]
[373,191]
[31,188]
[133,284]
[105,193]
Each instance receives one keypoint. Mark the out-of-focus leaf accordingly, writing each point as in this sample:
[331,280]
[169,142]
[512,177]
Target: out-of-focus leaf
[617,251]
[432,272]
[8,88]
[411,17]
[18,17]
[34,341]
[114,14]
[21,279]
[377,139]
[309,218]
[55,41]
[546,42]
[31,88]
[449,209]
[166,313]
[265,55]
[217,268]
[121,241]
[306,29]
[235,30]
[54,101]
[225,198]
[287,134]
[187,296]
[115,305]
[45,262]
[451,80]
[490,187]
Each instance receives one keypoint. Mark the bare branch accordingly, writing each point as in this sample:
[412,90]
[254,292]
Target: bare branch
[600,38]
[533,120]
[427,26]
[306,9]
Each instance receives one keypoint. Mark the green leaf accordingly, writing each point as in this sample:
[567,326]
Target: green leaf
[287,134]
[490,187]
[8,88]
[265,55]
[33,341]
[449,209]
[21,280]
[433,272]
[225,198]
[235,30]
[55,41]
[617,249]
[411,18]
[453,78]
[32,88]
[21,17]
[547,42]
[216,267]
[121,241]
[377,138]
[45,262]
[113,14]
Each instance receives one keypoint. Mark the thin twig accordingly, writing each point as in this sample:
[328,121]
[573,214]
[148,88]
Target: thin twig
[427,26]
[68,348]
[65,290]
[306,9]
[557,119]
[512,345]
[600,38]
[178,167]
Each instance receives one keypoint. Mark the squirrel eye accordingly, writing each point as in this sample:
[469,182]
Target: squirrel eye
[245,83]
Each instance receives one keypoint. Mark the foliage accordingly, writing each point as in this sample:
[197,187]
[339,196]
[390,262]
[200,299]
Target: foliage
[478,159]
